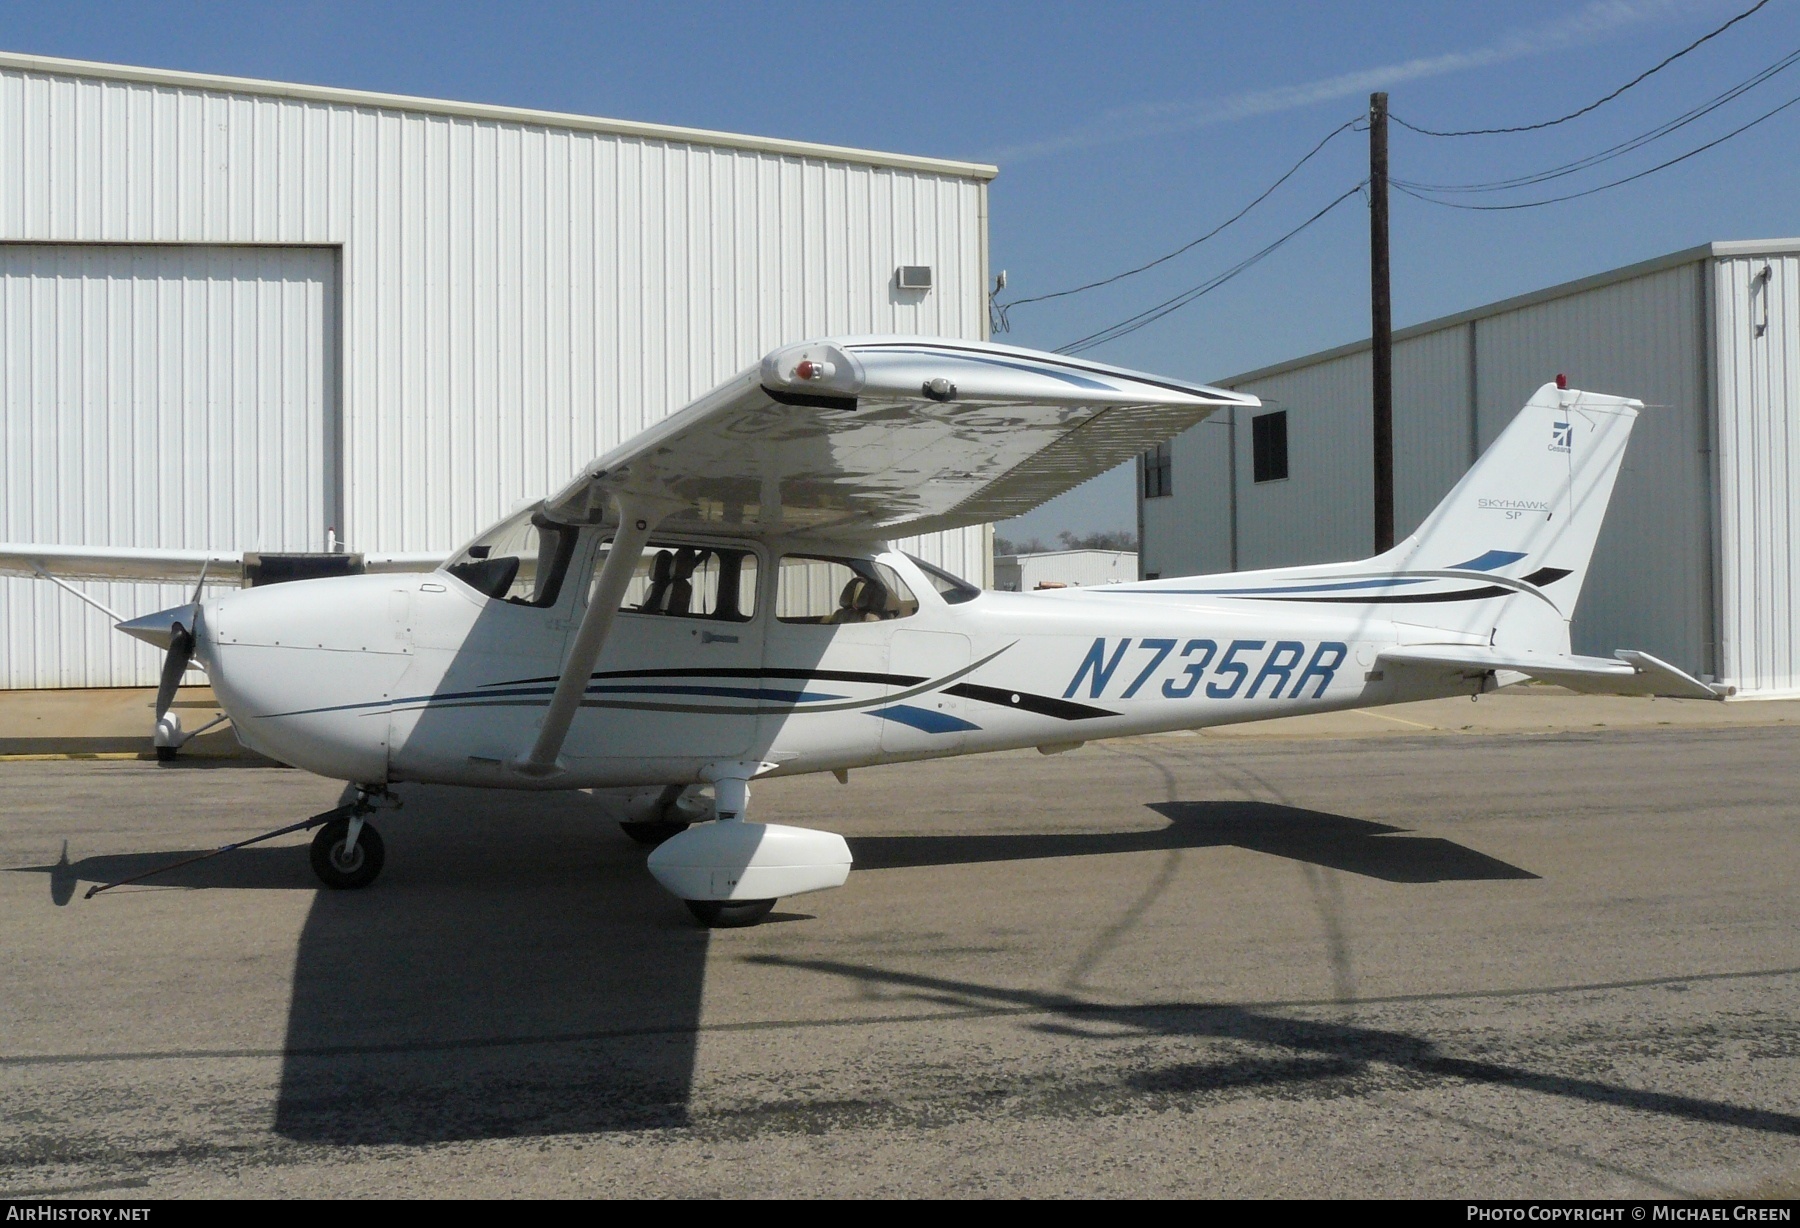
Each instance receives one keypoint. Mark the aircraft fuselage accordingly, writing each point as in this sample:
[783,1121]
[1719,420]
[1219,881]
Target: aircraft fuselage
[424,678]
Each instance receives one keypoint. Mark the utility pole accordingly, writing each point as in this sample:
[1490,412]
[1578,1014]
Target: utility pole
[1381,323]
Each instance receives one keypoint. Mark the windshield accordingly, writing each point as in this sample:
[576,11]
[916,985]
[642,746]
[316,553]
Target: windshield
[521,560]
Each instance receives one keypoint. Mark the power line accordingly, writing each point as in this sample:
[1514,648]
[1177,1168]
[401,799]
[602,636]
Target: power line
[1152,314]
[1623,147]
[1551,123]
[1533,204]
[1107,281]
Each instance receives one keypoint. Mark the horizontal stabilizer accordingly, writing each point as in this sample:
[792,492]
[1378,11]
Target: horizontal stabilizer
[1632,673]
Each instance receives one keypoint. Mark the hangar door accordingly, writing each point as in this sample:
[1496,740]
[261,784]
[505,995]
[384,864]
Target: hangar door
[166,396]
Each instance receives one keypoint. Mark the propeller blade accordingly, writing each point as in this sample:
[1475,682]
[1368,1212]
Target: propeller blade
[181,651]
[174,629]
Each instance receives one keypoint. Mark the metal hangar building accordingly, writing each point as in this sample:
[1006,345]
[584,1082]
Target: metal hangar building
[238,314]
[1699,559]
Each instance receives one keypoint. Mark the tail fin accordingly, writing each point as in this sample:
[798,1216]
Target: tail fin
[1531,507]
[1503,557]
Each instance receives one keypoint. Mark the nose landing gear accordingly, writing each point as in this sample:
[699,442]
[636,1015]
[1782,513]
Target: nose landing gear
[348,852]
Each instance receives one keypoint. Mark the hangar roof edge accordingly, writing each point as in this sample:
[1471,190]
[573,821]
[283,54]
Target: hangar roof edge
[56,66]
[1705,251]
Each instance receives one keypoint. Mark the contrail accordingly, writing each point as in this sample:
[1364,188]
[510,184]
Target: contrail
[1590,23]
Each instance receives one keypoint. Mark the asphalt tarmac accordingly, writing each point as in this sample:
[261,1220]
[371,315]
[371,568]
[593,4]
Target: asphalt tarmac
[1474,964]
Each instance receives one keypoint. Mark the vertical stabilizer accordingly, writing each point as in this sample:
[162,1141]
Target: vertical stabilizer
[1532,506]
[1503,557]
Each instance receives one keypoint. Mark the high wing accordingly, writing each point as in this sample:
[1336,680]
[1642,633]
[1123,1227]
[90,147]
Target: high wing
[168,566]
[889,436]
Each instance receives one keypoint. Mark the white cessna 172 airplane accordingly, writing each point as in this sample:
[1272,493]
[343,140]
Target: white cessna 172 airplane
[713,602]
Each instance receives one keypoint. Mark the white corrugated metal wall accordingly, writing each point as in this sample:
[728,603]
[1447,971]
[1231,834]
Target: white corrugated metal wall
[181,397]
[518,293]
[1317,511]
[1188,531]
[1756,323]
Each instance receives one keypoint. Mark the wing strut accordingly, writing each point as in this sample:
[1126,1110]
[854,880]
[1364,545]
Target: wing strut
[638,515]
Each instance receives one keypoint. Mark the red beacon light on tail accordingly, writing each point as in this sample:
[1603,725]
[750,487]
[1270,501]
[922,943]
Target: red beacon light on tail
[1562,382]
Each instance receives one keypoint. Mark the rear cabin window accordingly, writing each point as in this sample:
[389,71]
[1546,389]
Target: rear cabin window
[678,580]
[522,560]
[830,592]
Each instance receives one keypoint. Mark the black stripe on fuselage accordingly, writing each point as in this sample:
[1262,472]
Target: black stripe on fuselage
[810,675]
[1540,577]
[1041,705]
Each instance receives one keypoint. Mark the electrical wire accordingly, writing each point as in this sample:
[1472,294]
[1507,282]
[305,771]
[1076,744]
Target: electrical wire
[1622,148]
[1107,281]
[1533,204]
[1551,123]
[1152,314]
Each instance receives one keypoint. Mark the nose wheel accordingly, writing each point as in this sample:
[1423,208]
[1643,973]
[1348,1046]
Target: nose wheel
[345,860]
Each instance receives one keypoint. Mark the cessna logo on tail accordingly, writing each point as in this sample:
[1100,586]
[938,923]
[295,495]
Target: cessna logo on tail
[1562,437]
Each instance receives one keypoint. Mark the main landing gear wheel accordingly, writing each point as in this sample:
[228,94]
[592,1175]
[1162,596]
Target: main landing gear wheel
[652,832]
[341,870]
[729,914]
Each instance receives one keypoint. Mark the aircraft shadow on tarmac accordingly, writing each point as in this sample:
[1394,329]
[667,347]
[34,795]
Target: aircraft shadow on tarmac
[516,972]
[1334,841]
[1287,1053]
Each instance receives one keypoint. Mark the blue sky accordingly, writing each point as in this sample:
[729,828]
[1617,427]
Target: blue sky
[1122,131]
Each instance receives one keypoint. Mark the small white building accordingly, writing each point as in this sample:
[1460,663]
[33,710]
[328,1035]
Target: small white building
[240,314]
[1699,559]
[1024,573]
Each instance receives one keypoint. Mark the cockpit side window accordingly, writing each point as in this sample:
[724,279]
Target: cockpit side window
[522,560]
[690,581]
